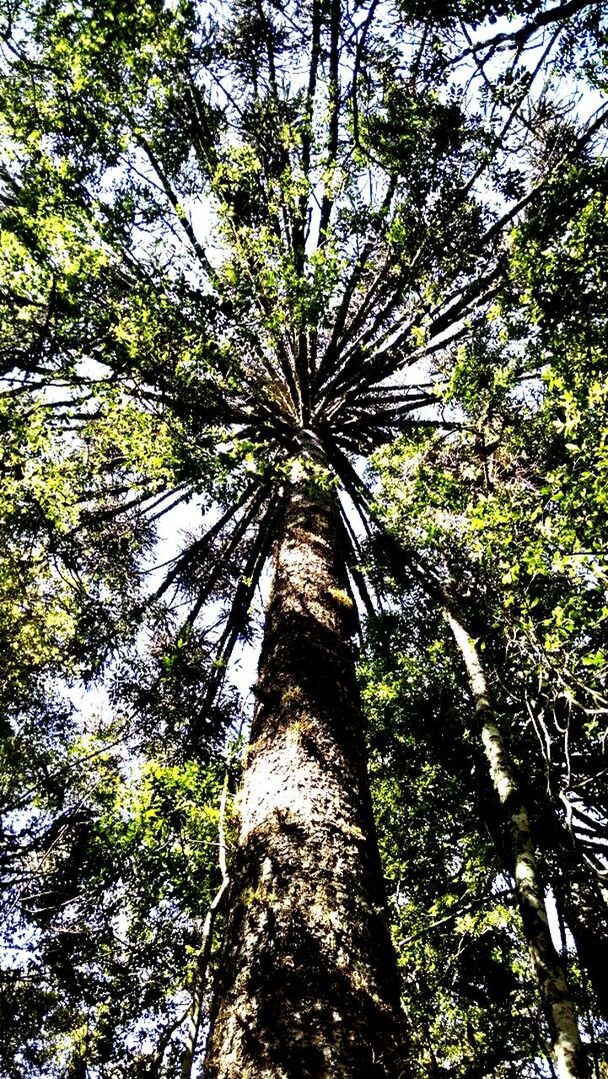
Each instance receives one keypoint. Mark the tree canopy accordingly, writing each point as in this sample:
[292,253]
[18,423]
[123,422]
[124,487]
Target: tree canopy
[383,224]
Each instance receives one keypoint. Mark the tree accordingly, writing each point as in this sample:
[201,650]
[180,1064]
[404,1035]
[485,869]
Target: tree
[308,984]
[337,153]
[492,517]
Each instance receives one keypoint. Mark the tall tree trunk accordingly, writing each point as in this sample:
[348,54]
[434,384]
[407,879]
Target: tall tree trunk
[570,1060]
[308,982]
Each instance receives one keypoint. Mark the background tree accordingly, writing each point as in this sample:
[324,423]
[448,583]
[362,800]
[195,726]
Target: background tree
[490,512]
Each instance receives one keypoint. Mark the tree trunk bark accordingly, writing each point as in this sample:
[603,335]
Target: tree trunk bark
[583,901]
[570,1059]
[308,983]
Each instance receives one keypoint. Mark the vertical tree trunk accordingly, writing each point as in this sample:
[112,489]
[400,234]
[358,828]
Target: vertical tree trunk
[568,1052]
[584,903]
[308,981]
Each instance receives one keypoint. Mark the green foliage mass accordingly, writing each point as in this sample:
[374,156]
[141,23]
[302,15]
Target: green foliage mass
[221,227]
[505,518]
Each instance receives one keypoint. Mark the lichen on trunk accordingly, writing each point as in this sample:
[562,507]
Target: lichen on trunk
[308,984]
[568,1052]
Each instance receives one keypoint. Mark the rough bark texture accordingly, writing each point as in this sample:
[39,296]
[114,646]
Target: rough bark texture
[308,981]
[570,1060]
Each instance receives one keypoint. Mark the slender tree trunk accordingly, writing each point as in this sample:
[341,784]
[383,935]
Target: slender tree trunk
[568,1052]
[196,1012]
[584,902]
[588,923]
[308,984]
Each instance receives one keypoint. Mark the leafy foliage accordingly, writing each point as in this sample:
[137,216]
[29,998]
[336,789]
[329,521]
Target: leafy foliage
[222,226]
[504,517]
